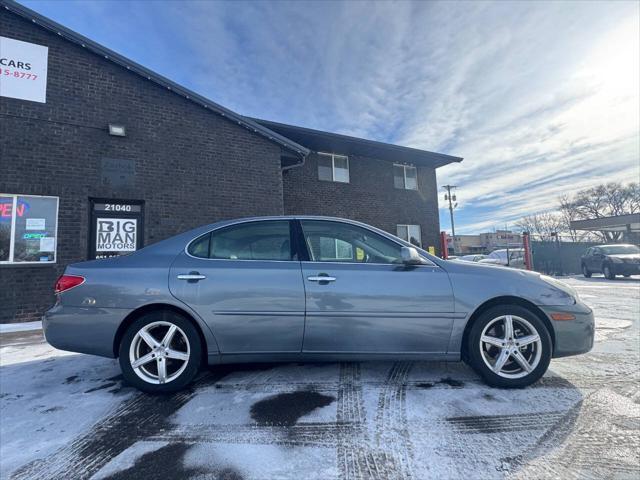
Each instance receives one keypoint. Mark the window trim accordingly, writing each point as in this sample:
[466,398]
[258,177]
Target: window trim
[333,167]
[404,177]
[299,243]
[12,229]
[295,248]
[410,225]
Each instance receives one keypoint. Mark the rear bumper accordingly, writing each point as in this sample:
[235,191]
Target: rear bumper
[83,329]
[572,337]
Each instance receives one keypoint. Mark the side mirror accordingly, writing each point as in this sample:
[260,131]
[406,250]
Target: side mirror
[410,256]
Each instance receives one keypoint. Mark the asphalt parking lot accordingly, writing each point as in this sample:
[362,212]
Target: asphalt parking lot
[70,416]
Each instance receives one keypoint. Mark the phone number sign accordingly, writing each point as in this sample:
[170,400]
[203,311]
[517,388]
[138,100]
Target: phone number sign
[23,70]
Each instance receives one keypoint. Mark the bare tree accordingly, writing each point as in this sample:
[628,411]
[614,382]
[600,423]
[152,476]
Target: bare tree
[542,225]
[604,200]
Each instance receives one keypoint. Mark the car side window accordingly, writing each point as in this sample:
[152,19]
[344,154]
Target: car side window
[200,247]
[263,240]
[341,242]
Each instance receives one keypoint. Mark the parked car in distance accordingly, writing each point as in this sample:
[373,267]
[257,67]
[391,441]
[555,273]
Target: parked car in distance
[299,288]
[512,257]
[471,258]
[611,260]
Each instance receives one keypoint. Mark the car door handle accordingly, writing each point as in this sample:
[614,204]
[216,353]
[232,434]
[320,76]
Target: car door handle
[191,277]
[321,278]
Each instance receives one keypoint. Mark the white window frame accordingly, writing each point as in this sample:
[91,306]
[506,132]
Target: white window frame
[12,230]
[408,227]
[333,166]
[404,177]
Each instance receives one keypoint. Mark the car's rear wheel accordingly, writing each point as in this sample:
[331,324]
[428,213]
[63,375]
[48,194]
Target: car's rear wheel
[509,347]
[585,271]
[160,352]
[608,273]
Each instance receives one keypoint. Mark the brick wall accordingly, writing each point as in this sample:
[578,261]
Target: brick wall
[369,197]
[192,166]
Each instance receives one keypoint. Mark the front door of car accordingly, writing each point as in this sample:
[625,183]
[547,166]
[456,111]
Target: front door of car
[596,260]
[245,281]
[361,298]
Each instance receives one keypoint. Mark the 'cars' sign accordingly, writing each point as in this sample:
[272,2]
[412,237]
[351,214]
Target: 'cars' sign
[23,70]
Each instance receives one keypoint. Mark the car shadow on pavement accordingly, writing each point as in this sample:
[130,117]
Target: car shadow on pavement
[80,419]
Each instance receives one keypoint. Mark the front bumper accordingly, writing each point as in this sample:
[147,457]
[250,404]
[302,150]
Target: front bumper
[83,329]
[572,337]
[625,268]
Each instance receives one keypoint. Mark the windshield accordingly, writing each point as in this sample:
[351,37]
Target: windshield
[620,249]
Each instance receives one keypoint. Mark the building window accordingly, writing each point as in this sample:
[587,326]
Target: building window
[28,229]
[411,234]
[405,176]
[333,168]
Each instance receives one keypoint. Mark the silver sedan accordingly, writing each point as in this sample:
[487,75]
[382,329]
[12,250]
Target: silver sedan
[272,289]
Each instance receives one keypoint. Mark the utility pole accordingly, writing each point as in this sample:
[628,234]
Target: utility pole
[451,198]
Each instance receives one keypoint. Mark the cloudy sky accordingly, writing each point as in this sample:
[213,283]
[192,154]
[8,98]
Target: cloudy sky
[540,98]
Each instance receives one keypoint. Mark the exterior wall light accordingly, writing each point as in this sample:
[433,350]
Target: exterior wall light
[117,130]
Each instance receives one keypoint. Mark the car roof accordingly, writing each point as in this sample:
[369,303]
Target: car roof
[616,245]
[287,217]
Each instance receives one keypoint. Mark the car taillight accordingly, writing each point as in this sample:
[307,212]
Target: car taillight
[65,282]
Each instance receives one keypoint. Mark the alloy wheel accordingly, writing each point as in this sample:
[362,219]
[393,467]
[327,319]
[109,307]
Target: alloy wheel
[510,346]
[159,352]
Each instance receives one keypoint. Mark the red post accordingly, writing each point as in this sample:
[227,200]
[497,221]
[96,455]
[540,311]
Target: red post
[443,245]
[526,243]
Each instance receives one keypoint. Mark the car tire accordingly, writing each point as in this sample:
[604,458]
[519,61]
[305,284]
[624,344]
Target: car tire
[607,272]
[626,276]
[167,349]
[484,356]
[585,271]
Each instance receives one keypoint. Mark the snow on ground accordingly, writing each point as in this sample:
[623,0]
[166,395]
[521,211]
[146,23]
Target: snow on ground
[70,416]
[20,327]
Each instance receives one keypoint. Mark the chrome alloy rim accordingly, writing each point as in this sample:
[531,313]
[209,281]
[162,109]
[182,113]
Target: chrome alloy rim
[510,346]
[159,352]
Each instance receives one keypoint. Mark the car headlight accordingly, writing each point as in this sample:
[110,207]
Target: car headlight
[561,286]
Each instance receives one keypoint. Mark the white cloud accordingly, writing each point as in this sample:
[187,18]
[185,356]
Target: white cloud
[541,98]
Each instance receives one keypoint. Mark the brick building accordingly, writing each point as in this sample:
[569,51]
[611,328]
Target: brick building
[100,156]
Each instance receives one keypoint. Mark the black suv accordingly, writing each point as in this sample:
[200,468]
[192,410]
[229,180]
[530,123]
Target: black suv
[611,260]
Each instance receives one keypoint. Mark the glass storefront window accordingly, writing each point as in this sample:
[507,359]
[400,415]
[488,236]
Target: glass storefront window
[6,206]
[28,229]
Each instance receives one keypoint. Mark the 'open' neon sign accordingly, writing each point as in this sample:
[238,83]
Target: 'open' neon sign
[6,208]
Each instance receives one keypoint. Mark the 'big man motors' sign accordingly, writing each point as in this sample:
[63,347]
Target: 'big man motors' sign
[116,235]
[23,70]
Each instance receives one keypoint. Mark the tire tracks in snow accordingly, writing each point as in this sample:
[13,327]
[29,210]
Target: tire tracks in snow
[135,419]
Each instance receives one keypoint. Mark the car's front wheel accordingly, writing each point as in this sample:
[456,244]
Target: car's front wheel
[608,273]
[509,347]
[160,352]
[585,271]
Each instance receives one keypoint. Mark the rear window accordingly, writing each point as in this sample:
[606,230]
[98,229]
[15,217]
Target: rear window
[265,240]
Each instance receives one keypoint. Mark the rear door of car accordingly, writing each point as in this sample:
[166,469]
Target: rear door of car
[245,281]
[362,299]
